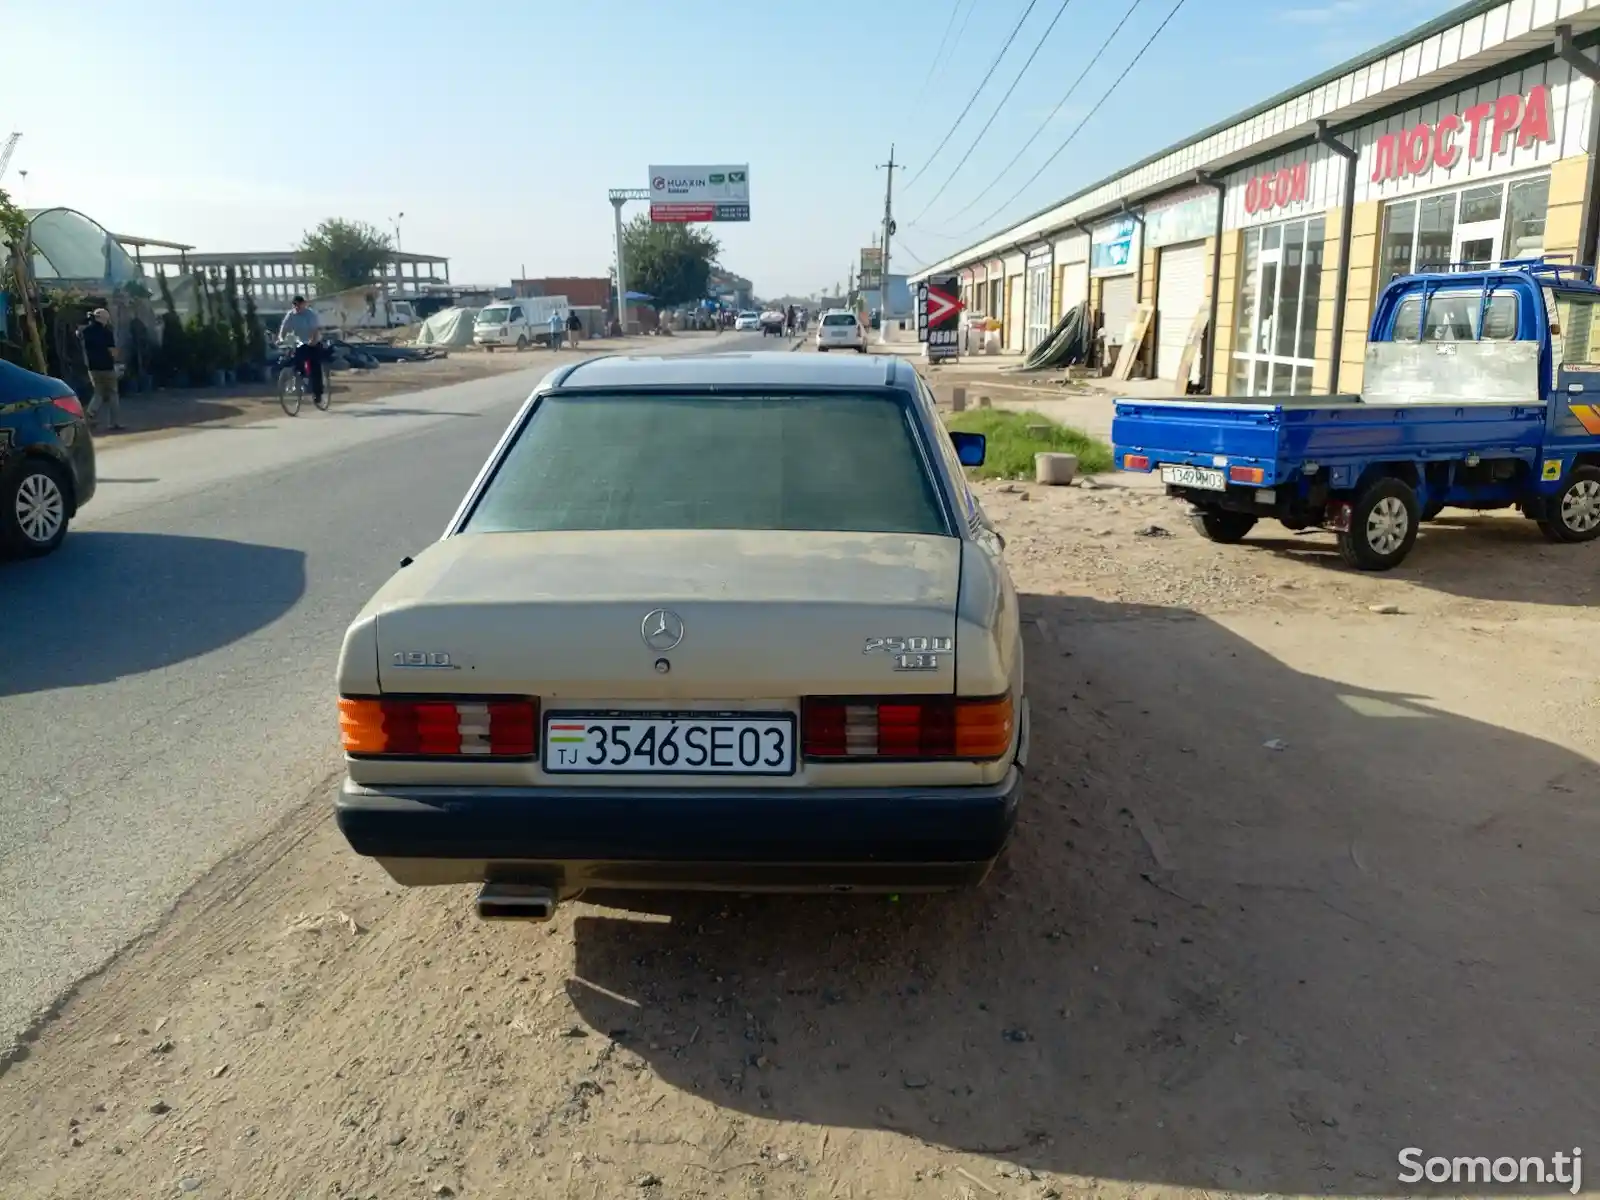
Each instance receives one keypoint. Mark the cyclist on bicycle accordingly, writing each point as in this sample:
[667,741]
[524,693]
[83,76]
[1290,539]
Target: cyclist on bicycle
[302,325]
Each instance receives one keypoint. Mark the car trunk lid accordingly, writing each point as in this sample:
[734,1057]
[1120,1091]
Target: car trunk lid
[768,615]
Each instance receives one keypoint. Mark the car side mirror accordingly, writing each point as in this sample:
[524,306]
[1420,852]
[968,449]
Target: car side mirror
[971,448]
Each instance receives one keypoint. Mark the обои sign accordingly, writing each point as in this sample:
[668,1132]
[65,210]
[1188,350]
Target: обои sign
[1277,189]
[1427,144]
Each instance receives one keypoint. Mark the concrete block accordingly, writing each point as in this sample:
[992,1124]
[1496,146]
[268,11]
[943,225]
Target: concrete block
[1054,470]
[958,399]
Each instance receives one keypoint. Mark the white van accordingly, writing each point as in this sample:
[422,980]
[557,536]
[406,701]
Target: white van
[518,323]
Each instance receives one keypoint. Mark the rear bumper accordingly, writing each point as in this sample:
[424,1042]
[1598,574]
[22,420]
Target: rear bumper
[778,839]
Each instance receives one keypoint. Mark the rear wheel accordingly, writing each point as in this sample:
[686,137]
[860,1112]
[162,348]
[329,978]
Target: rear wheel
[1224,528]
[1383,526]
[33,508]
[1574,511]
[291,387]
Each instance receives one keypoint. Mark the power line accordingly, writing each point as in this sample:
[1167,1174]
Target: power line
[938,55]
[973,99]
[1037,46]
[1088,116]
[1045,124]
[910,253]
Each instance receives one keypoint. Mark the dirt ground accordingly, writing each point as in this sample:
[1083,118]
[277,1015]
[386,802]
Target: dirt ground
[1305,876]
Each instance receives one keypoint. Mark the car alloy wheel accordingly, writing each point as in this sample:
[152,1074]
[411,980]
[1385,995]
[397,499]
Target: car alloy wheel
[41,509]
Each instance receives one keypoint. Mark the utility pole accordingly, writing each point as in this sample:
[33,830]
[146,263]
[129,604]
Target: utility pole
[888,231]
[619,197]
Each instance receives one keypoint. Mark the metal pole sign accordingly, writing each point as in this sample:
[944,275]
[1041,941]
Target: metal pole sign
[939,316]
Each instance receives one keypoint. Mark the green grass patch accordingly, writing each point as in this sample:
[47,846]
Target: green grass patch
[1015,437]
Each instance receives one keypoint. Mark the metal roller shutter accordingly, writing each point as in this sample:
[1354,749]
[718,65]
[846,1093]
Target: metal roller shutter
[1074,287]
[1013,318]
[1116,303]
[1180,291]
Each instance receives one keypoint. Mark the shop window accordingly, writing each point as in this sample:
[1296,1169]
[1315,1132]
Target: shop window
[1476,227]
[1280,289]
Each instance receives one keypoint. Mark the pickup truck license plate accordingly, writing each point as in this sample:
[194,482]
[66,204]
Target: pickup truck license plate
[636,743]
[1195,477]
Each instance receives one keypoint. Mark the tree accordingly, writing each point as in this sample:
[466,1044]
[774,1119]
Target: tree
[345,254]
[669,262]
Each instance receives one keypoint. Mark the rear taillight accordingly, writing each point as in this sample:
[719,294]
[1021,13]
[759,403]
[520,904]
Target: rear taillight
[68,404]
[1246,475]
[439,728]
[1135,462]
[906,727]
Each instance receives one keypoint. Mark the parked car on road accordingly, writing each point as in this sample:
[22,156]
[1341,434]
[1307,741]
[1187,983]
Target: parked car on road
[840,329]
[46,461]
[747,322]
[702,622]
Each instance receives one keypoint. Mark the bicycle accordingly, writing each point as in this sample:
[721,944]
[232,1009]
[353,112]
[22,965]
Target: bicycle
[294,381]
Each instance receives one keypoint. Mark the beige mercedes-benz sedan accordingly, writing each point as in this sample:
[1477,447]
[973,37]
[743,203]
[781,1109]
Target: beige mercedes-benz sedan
[704,622]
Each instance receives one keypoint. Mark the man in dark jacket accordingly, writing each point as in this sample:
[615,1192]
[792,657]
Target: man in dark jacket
[100,354]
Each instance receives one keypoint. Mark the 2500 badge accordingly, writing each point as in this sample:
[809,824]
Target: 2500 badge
[911,653]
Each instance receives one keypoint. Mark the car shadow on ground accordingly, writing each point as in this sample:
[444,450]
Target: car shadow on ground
[107,605]
[1475,558]
[1257,930]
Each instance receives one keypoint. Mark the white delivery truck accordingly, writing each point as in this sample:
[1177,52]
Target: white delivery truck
[518,323]
[362,308]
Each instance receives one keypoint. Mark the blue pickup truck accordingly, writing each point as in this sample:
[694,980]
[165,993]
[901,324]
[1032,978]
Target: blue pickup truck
[1481,391]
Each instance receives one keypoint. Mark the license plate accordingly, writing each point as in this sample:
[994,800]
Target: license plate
[633,743]
[1195,477]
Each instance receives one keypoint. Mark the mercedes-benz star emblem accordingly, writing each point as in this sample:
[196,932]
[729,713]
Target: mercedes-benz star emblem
[662,629]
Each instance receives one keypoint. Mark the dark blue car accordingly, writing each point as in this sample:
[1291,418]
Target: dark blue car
[46,461]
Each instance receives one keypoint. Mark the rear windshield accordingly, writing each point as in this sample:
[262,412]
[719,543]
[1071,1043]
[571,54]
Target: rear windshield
[1454,317]
[838,319]
[493,316]
[846,463]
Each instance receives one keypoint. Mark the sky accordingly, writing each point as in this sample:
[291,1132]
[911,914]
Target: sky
[498,129]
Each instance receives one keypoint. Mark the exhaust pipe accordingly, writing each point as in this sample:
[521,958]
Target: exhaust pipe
[516,902]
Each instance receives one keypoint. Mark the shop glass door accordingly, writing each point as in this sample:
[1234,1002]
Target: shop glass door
[1476,245]
[1280,289]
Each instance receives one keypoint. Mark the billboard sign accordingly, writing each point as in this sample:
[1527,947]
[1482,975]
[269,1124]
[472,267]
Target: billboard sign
[939,316]
[700,193]
[871,271]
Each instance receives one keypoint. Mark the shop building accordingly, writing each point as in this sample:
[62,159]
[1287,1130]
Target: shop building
[1470,141]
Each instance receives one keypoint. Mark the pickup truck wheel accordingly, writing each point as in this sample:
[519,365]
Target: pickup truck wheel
[522,342]
[1383,526]
[1224,528]
[1574,511]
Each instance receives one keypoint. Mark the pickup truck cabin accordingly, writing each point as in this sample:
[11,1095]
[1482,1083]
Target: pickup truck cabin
[1482,391]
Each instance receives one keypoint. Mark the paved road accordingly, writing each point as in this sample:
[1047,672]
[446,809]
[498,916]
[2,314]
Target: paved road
[166,678]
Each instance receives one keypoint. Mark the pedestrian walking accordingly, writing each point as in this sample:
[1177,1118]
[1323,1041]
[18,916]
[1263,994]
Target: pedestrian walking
[100,354]
[574,327]
[556,327]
